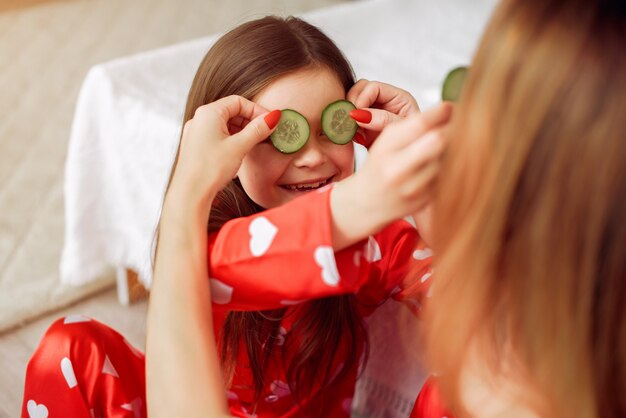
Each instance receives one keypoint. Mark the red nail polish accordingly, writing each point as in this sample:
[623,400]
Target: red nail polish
[361,115]
[272,118]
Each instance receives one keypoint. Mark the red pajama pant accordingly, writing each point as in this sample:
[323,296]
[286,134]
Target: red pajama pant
[84,369]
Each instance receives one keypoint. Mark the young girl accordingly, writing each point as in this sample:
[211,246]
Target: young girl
[293,265]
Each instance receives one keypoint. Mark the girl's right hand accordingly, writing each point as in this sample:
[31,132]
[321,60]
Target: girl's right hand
[214,143]
[378,104]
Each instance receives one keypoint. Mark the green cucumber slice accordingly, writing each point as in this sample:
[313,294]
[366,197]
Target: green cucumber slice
[291,133]
[337,124]
[453,84]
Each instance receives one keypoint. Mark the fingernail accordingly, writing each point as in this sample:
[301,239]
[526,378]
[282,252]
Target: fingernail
[361,115]
[272,118]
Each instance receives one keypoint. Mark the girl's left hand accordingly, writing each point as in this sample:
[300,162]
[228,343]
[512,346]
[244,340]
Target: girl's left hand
[396,179]
[378,104]
[214,143]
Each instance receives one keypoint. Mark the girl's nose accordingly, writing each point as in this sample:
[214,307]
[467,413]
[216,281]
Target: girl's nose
[312,154]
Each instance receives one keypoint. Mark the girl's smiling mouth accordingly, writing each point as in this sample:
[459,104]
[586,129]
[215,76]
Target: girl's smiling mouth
[307,185]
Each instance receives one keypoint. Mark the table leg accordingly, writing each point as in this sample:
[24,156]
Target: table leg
[129,288]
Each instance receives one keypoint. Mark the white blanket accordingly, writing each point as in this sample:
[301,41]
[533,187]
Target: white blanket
[126,130]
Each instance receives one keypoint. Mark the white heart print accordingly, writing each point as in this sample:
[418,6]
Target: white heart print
[262,233]
[325,258]
[280,388]
[36,411]
[422,254]
[68,372]
[271,398]
[107,367]
[221,293]
[134,407]
[372,250]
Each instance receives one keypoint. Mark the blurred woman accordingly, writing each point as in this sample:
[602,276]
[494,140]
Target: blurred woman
[527,316]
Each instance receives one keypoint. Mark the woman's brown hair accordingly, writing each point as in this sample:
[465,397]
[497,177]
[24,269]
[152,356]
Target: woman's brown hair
[530,213]
[244,61]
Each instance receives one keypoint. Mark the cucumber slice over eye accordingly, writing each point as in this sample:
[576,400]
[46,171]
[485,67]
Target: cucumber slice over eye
[453,84]
[337,124]
[291,133]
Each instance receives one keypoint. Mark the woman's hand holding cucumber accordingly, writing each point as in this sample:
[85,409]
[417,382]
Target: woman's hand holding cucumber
[378,104]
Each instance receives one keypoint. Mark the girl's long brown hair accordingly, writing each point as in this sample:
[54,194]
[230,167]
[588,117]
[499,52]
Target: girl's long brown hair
[530,215]
[244,61]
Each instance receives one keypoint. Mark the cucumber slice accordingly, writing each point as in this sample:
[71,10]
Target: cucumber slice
[291,133]
[453,84]
[337,124]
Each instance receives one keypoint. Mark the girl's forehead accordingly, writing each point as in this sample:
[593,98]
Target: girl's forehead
[306,91]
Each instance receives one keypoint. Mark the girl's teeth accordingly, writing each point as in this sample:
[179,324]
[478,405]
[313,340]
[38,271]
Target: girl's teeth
[306,187]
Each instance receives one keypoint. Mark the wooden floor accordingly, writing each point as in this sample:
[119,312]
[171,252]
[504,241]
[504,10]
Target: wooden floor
[16,347]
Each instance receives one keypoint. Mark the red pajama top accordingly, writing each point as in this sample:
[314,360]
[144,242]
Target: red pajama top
[283,257]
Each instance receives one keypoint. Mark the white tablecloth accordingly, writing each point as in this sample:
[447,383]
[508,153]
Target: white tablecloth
[129,112]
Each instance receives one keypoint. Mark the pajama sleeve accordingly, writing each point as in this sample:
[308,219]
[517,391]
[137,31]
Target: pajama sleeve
[284,256]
